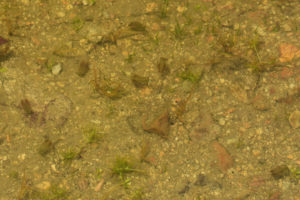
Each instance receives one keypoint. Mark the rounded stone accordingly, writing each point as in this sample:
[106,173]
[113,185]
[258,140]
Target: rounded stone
[56,69]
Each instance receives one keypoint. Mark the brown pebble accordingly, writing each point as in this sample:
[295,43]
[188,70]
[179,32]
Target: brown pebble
[83,68]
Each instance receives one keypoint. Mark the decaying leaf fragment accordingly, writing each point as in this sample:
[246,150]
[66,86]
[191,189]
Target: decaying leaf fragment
[139,81]
[159,126]
[163,67]
[134,28]
[137,26]
[225,161]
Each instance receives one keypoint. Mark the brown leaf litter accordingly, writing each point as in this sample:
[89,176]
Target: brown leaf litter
[159,126]
[225,161]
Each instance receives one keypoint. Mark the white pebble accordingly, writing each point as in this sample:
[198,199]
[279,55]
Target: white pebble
[56,69]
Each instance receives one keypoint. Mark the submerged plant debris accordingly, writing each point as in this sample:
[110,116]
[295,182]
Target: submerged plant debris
[159,126]
[137,26]
[280,171]
[4,47]
[3,41]
[108,88]
[163,67]
[46,147]
[224,159]
[26,106]
[139,81]
[122,166]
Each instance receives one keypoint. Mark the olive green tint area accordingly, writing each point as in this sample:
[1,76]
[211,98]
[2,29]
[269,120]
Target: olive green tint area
[93,136]
[122,166]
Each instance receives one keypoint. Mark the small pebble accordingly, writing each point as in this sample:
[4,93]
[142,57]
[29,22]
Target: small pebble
[45,185]
[56,69]
[222,122]
[61,14]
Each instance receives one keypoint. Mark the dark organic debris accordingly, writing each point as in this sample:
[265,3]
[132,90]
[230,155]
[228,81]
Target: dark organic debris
[46,147]
[26,106]
[4,47]
[201,180]
[280,171]
[159,126]
[139,81]
[33,117]
[134,28]
[185,189]
[2,41]
[105,87]
[163,67]
[83,68]
[1,140]
[137,26]
[110,38]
